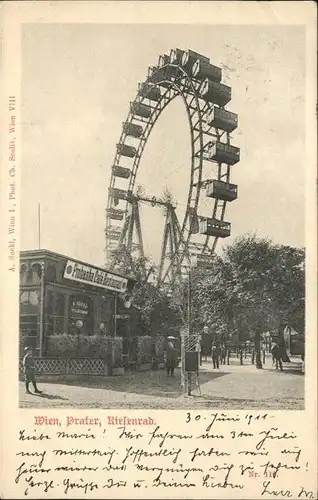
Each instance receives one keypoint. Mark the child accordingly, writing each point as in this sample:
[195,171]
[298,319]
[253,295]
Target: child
[29,372]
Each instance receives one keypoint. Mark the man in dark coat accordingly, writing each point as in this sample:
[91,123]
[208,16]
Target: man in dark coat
[277,353]
[171,356]
[216,351]
[223,354]
[29,371]
[205,346]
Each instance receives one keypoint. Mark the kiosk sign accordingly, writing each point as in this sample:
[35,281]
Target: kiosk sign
[82,273]
[79,306]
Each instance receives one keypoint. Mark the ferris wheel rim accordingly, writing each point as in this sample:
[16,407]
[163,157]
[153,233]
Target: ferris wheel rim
[172,91]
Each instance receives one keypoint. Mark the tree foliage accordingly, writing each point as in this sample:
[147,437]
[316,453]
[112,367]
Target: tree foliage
[157,314]
[253,287]
[256,286]
[124,263]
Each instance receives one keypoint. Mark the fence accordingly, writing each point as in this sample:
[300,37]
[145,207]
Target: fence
[69,366]
[139,351]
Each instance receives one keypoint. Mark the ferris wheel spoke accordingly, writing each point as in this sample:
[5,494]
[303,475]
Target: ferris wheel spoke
[197,82]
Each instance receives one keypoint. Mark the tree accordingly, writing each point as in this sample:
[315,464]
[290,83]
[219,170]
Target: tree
[124,263]
[157,315]
[254,287]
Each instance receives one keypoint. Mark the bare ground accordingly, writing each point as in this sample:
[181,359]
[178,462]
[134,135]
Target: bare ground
[230,388]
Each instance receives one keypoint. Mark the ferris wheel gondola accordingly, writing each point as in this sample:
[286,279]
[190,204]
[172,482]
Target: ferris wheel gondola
[190,76]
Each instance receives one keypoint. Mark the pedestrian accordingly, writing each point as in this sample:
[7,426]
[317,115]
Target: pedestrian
[273,351]
[205,345]
[223,354]
[154,359]
[277,356]
[29,371]
[228,355]
[216,355]
[171,356]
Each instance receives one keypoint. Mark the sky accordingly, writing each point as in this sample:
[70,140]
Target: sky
[77,83]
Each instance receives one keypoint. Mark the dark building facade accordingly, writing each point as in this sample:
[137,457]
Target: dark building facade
[59,294]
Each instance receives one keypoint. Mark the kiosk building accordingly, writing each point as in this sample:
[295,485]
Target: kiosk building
[58,293]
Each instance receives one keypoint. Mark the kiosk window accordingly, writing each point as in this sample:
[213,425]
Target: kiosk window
[23,274]
[55,312]
[29,302]
[81,307]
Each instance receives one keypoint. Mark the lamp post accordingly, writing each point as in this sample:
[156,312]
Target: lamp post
[189,301]
[229,338]
[248,343]
[79,325]
[41,318]
[204,343]
[268,341]
[115,315]
[188,374]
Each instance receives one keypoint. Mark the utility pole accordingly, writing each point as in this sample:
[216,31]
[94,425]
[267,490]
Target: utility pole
[115,315]
[39,226]
[41,318]
[188,374]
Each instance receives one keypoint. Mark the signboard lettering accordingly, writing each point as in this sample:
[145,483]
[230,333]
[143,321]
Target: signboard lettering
[79,306]
[91,275]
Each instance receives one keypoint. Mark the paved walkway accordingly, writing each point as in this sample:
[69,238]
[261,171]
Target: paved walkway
[231,387]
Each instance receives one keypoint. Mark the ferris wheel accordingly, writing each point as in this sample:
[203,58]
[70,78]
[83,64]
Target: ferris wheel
[191,77]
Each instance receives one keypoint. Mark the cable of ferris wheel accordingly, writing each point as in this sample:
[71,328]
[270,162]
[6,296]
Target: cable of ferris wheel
[179,204]
[173,171]
[168,175]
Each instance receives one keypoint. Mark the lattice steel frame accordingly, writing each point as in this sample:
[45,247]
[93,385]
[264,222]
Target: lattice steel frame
[176,82]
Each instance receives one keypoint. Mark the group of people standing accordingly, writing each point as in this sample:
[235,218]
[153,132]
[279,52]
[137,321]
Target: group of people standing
[215,348]
[219,353]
